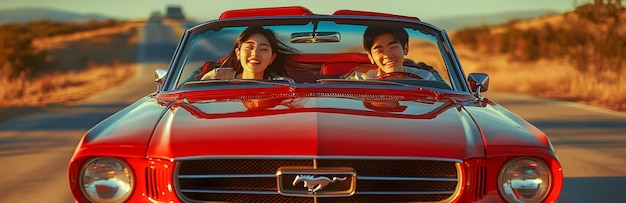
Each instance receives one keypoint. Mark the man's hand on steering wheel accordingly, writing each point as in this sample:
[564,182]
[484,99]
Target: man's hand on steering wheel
[398,75]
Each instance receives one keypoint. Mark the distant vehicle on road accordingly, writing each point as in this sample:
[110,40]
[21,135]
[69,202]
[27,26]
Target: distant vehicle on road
[315,134]
[155,17]
[174,13]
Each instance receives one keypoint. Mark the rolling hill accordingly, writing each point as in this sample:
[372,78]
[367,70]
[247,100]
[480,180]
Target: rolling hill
[458,22]
[32,14]
[577,56]
[450,23]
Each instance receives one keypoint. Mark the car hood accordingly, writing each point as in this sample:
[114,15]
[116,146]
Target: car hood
[315,126]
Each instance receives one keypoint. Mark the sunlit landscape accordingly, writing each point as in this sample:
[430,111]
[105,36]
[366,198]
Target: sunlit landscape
[62,88]
[562,71]
[549,73]
[80,65]
[576,56]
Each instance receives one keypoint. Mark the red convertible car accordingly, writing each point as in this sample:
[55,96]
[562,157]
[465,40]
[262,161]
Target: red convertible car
[351,106]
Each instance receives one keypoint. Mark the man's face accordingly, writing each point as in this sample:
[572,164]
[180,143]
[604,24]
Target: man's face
[387,53]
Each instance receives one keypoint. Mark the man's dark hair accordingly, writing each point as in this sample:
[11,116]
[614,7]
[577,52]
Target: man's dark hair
[374,31]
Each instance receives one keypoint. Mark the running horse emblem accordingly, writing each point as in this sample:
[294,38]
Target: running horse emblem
[314,184]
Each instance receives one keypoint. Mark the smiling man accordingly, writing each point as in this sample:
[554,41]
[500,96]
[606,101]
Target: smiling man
[386,48]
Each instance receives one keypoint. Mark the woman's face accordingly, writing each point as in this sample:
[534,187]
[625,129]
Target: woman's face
[255,54]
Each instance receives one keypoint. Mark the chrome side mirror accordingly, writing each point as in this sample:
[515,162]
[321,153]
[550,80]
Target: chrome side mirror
[479,82]
[159,76]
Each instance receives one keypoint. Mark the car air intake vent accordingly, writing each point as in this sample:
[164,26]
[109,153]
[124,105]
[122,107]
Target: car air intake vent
[155,179]
[255,180]
[480,178]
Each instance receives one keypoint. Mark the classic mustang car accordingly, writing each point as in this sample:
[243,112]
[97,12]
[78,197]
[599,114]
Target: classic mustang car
[314,134]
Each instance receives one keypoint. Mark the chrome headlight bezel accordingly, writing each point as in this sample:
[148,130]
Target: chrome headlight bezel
[537,175]
[106,179]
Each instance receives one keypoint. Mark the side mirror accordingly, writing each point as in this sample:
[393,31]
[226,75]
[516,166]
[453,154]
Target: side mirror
[159,76]
[479,82]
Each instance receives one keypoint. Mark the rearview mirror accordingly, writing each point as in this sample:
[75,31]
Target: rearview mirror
[315,37]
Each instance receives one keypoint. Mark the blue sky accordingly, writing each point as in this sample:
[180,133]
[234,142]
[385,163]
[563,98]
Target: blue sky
[207,9]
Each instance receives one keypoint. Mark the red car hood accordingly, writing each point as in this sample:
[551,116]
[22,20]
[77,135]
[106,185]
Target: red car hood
[314,126]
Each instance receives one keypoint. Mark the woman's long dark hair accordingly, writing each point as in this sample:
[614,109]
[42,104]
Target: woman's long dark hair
[274,69]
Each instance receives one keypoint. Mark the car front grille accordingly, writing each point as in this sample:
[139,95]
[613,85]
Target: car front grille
[377,180]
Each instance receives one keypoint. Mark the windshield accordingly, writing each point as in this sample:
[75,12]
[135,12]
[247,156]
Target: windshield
[312,52]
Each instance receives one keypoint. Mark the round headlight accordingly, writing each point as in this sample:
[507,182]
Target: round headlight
[106,179]
[524,179]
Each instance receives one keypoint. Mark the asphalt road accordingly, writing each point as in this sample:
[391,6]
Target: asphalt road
[35,149]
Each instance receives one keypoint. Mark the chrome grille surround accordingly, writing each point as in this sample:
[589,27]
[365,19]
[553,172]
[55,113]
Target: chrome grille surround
[379,179]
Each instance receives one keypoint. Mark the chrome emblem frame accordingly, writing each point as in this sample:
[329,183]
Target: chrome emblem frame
[316,182]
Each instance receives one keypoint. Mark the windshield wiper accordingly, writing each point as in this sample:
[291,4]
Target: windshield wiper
[436,93]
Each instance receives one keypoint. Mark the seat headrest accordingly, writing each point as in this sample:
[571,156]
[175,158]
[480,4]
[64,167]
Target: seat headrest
[338,69]
[328,58]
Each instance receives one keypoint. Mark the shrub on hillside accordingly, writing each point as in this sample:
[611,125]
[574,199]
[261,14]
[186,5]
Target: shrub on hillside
[592,38]
[19,57]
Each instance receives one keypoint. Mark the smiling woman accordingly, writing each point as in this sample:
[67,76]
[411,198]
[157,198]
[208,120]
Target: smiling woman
[256,54]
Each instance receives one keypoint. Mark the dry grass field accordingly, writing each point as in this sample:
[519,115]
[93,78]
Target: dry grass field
[85,63]
[63,87]
[556,78]
[548,79]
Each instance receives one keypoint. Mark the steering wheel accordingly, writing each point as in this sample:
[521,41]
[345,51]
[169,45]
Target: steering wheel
[399,75]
